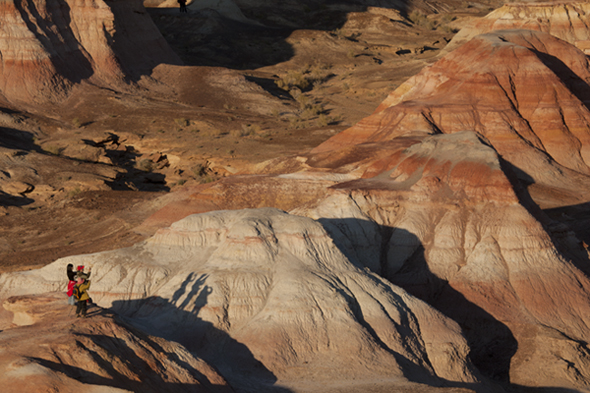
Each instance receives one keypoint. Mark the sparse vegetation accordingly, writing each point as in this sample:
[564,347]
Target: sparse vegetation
[145,165]
[322,120]
[199,170]
[292,79]
[229,107]
[247,129]
[76,191]
[418,18]
[182,122]
[338,33]
[54,150]
[301,79]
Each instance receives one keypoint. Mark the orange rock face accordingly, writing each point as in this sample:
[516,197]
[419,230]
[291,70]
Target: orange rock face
[524,91]
[48,46]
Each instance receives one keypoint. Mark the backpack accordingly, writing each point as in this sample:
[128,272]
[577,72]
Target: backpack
[77,292]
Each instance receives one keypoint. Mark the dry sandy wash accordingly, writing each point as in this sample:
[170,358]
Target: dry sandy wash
[428,248]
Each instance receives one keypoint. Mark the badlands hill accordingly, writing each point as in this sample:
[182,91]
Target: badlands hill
[525,91]
[439,191]
[409,252]
[267,297]
[48,48]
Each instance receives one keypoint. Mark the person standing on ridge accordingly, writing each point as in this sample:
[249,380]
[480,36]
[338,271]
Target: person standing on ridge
[81,293]
[182,6]
[71,282]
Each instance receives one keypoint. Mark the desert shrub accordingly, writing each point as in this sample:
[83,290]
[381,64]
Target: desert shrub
[303,100]
[322,120]
[250,129]
[246,130]
[76,191]
[145,165]
[292,79]
[338,33]
[296,122]
[304,77]
[444,24]
[182,122]
[312,110]
[207,179]
[422,20]
[54,150]
[295,93]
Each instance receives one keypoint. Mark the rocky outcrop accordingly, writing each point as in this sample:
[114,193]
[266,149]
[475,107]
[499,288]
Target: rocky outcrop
[48,46]
[261,293]
[48,349]
[567,20]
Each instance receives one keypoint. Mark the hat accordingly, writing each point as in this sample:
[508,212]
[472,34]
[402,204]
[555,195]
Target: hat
[80,267]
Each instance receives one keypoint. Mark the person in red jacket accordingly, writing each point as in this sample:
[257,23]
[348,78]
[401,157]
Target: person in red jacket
[71,282]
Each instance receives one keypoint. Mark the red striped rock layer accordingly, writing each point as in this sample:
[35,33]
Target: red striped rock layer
[446,223]
[47,46]
[524,91]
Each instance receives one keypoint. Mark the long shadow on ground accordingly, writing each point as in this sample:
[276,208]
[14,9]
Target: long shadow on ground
[167,319]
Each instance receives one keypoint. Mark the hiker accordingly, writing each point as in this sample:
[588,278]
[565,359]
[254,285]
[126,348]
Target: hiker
[182,5]
[81,293]
[71,282]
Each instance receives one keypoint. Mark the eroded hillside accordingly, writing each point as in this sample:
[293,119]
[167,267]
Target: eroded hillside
[324,197]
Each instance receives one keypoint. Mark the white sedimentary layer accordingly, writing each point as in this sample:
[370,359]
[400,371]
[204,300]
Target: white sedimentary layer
[275,283]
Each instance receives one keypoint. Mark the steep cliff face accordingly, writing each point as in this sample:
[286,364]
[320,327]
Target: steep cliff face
[567,20]
[261,293]
[48,46]
[525,91]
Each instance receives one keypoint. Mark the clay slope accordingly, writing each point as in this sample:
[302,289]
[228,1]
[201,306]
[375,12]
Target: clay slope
[567,20]
[525,91]
[48,46]
[264,295]
[442,219]
[48,349]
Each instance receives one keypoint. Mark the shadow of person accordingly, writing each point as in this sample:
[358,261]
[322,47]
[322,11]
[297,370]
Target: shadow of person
[177,319]
[492,343]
